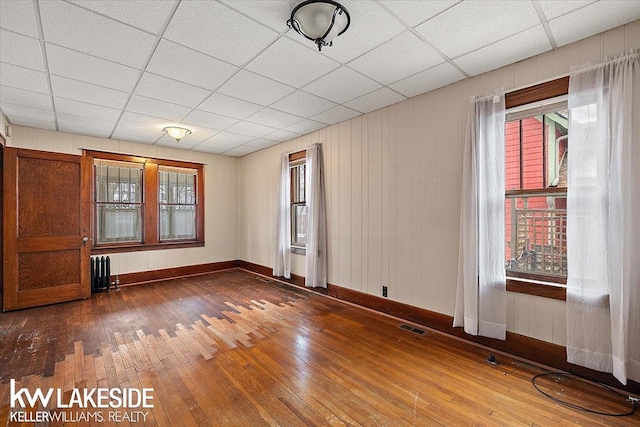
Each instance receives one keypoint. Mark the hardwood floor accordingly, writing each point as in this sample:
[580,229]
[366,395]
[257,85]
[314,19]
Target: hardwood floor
[233,348]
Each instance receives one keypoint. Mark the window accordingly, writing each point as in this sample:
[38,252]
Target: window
[536,153]
[298,204]
[142,203]
[177,203]
[118,196]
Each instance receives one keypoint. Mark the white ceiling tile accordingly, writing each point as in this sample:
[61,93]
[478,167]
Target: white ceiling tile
[342,85]
[209,120]
[84,109]
[415,12]
[19,111]
[398,58]
[289,62]
[219,31]
[141,121]
[224,141]
[86,68]
[595,18]
[251,129]
[273,118]
[21,50]
[70,120]
[18,16]
[261,143]
[375,100]
[139,128]
[185,144]
[153,107]
[148,15]
[370,26]
[85,92]
[76,28]
[100,133]
[243,150]
[23,78]
[164,89]
[476,24]
[334,115]
[254,88]
[33,123]
[133,135]
[303,104]
[554,8]
[228,106]
[303,127]
[507,51]
[283,135]
[433,78]
[273,13]
[187,65]
[24,97]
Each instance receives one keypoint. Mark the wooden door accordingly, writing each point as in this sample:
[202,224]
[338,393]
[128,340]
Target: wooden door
[46,228]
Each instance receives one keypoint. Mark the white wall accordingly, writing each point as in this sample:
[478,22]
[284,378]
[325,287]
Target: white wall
[221,196]
[393,191]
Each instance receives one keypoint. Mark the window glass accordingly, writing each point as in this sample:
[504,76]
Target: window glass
[536,154]
[177,203]
[298,205]
[118,196]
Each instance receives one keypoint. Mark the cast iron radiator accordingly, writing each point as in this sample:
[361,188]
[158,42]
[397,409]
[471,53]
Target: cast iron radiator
[100,274]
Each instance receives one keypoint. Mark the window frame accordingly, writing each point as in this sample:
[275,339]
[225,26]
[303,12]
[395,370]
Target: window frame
[529,95]
[295,159]
[150,205]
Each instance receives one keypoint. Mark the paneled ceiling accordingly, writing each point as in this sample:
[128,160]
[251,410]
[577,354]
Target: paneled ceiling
[240,79]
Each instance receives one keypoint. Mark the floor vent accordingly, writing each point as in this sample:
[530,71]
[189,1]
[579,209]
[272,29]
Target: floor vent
[412,329]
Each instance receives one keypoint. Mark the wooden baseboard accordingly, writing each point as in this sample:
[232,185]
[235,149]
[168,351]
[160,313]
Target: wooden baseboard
[172,273]
[541,352]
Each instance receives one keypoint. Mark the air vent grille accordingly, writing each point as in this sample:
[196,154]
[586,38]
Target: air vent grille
[412,329]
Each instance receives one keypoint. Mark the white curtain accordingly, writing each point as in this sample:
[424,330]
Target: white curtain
[282,258]
[603,218]
[316,258]
[481,296]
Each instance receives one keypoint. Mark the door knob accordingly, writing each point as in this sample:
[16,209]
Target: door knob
[85,239]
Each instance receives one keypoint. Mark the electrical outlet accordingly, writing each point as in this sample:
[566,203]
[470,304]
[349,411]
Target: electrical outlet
[384,291]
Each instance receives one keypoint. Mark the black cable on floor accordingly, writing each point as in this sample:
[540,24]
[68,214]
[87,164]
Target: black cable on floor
[633,401]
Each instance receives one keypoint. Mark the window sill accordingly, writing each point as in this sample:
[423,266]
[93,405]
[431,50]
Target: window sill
[298,250]
[111,249]
[545,290]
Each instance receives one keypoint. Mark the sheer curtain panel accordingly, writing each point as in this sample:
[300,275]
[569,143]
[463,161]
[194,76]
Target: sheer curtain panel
[282,259]
[481,296]
[603,218]
[316,258]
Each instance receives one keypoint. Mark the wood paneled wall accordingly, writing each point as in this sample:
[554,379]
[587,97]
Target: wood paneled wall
[221,197]
[393,191]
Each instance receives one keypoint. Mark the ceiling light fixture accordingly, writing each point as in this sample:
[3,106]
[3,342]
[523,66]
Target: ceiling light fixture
[176,132]
[320,21]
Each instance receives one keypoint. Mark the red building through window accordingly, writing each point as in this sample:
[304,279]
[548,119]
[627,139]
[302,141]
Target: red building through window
[535,170]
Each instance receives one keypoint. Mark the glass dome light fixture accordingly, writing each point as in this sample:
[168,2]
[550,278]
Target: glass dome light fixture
[320,21]
[176,132]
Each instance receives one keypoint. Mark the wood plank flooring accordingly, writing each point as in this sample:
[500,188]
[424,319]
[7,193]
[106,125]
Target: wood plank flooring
[232,348]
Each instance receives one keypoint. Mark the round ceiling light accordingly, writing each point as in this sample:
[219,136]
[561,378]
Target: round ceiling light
[176,132]
[320,21]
